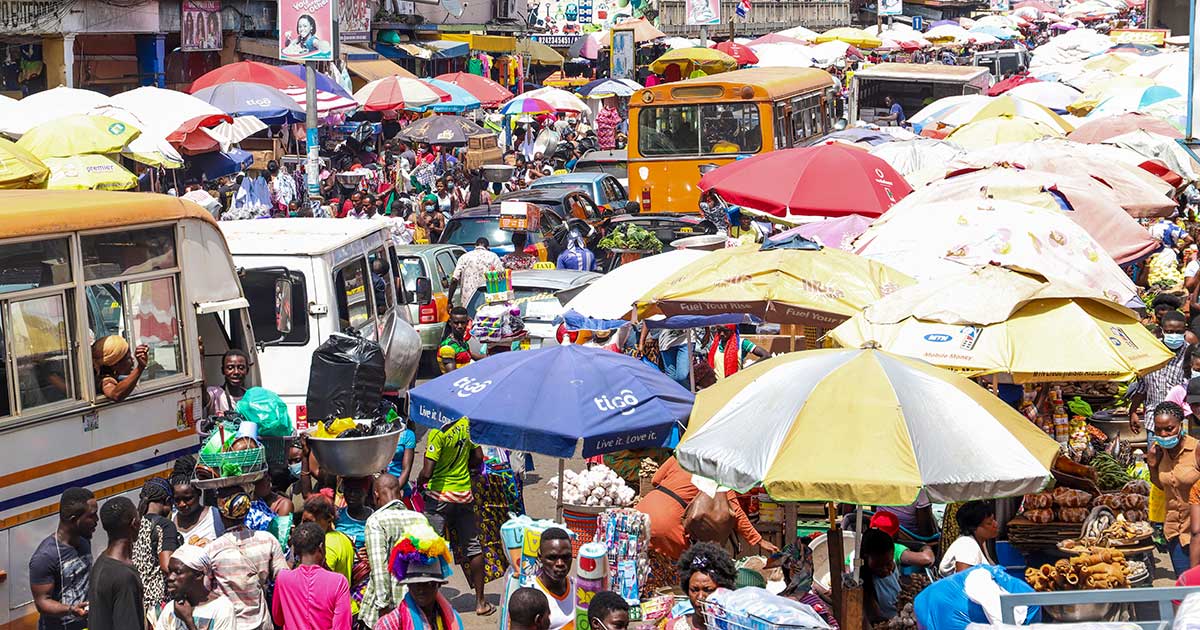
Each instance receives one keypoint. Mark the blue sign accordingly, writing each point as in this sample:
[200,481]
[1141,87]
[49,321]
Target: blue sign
[938,337]
[918,23]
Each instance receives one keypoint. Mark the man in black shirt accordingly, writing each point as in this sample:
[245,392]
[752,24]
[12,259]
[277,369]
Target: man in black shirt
[59,568]
[115,594]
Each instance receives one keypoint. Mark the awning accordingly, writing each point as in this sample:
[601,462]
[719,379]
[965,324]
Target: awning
[259,47]
[484,43]
[430,49]
[376,69]
[446,49]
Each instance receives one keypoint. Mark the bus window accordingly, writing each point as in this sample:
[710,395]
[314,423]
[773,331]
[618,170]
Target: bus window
[154,321]
[354,305]
[105,316]
[34,265]
[127,252]
[806,118]
[5,403]
[41,350]
[680,130]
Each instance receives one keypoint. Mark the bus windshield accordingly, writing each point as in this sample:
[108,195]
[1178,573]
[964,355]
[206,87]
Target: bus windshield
[683,130]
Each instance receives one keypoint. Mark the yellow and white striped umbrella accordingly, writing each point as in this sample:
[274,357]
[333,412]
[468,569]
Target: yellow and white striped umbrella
[863,427]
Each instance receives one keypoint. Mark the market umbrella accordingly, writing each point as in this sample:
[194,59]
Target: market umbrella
[1008,106]
[444,130]
[858,136]
[1135,100]
[47,105]
[538,53]
[817,287]
[830,179]
[801,33]
[587,46]
[88,172]
[1004,322]
[1101,129]
[950,32]
[937,110]
[216,164]
[783,55]
[999,33]
[328,103]
[909,157]
[20,168]
[228,134]
[526,105]
[1102,90]
[854,36]
[460,99]
[643,31]
[192,137]
[707,60]
[937,239]
[150,147]
[604,88]
[77,135]
[486,90]
[741,53]
[838,232]
[1000,129]
[166,111]
[264,102]
[561,100]
[548,400]
[1046,93]
[394,92]
[864,427]
[1161,148]
[607,302]
[248,72]
[324,82]
[776,38]
[1011,82]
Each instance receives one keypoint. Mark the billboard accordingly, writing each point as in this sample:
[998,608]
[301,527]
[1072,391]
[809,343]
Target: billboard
[623,64]
[891,7]
[998,5]
[580,17]
[702,12]
[354,20]
[306,30]
[200,25]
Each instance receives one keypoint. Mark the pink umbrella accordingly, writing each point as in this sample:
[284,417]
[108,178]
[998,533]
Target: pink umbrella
[396,92]
[838,232]
[776,38]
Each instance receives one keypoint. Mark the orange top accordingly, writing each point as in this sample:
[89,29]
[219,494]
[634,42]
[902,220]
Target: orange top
[666,514]
[38,212]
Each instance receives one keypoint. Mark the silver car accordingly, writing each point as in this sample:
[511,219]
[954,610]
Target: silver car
[433,265]
[540,293]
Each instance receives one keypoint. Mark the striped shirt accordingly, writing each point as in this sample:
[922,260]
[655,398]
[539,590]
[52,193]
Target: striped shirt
[382,530]
[244,561]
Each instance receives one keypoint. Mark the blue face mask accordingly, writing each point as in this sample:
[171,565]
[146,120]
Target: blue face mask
[1173,341]
[294,469]
[1169,443]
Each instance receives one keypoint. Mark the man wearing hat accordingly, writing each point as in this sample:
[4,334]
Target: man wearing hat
[420,561]
[889,524]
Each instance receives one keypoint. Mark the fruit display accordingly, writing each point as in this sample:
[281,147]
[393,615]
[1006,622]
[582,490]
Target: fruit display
[599,486]
[1099,569]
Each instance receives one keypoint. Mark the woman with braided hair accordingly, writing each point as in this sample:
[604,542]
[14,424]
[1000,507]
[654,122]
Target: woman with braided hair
[703,568]
[156,539]
[1174,463]
[197,524]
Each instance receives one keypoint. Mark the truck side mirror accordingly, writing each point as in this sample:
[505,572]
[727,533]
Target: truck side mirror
[283,305]
[424,290]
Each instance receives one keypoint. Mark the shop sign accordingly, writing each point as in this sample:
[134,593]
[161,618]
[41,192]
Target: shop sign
[354,20]
[200,25]
[891,7]
[557,41]
[21,16]
[998,5]
[1148,36]
[702,12]
[306,30]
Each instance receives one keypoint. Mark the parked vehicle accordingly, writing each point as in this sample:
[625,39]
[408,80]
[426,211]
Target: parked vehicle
[566,203]
[429,309]
[615,163]
[912,85]
[540,294]
[466,226]
[605,190]
[1002,62]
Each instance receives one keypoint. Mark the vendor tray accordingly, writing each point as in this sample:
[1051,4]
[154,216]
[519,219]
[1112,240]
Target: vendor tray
[1027,534]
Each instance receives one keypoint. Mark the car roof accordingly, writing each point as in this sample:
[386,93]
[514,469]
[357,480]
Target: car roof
[616,155]
[415,250]
[536,194]
[554,279]
[568,178]
[305,236]
[485,212]
[658,216]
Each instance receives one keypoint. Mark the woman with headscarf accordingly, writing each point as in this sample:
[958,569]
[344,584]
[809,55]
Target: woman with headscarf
[577,256]
[194,602]
[118,370]
[156,540]
[245,562]
[728,351]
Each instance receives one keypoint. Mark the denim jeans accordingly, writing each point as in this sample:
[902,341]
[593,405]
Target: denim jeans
[1180,559]
[675,364]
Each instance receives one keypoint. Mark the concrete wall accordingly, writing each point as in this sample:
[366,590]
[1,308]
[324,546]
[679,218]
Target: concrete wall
[474,12]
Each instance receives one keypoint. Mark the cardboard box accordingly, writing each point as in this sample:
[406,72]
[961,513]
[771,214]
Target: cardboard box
[482,150]
[518,216]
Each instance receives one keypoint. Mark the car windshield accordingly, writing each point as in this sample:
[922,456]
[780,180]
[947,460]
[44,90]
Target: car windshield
[536,303]
[571,186]
[465,231]
[616,169]
[411,268]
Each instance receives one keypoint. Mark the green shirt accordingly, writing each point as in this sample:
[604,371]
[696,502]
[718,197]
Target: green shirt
[897,551]
[339,556]
[450,449]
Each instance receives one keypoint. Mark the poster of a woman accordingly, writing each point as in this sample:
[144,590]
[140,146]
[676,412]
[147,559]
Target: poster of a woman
[309,40]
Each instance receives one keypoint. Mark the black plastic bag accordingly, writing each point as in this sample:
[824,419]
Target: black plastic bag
[346,378]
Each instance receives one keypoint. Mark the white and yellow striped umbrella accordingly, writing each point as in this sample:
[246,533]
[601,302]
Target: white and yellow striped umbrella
[864,427]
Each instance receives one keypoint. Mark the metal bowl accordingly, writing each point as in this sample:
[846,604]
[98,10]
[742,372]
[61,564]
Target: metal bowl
[1098,611]
[355,457]
[705,242]
[498,173]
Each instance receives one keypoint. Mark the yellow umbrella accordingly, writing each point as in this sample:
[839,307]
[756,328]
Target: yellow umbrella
[990,320]
[643,31]
[1112,62]
[708,60]
[856,37]
[77,135]
[989,132]
[20,168]
[864,427]
[1100,91]
[1014,107]
[539,53]
[89,171]
[786,286]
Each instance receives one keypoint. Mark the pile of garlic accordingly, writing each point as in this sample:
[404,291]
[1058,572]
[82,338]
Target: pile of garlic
[598,486]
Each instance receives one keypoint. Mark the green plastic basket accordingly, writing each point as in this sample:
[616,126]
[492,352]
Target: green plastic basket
[250,460]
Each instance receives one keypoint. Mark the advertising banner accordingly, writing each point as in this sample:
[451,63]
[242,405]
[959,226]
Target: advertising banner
[354,21]
[702,12]
[306,30]
[623,48]
[200,25]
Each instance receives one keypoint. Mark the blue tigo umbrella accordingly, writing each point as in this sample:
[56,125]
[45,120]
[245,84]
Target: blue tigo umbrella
[547,400]
[253,99]
[324,83]
[460,99]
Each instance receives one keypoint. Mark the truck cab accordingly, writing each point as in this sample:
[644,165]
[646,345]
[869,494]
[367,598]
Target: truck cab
[912,85]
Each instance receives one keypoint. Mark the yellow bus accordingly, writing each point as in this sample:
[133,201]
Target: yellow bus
[678,131]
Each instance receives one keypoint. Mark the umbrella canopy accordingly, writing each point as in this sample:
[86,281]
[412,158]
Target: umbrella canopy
[920,154]
[989,132]
[547,400]
[248,72]
[165,111]
[231,133]
[854,36]
[88,172]
[526,105]
[604,88]
[801,33]
[936,111]
[443,130]
[606,303]
[538,53]
[561,100]
[783,55]
[215,164]
[1046,93]
[48,105]
[838,232]
[486,90]
[831,179]
[643,31]
[1101,129]
[818,287]
[776,38]
[264,102]
[1161,148]
[1004,322]
[942,237]
[1006,106]
[20,168]
[858,135]
[946,33]
[707,60]
[1135,100]
[327,102]
[587,46]
[741,53]
[857,426]
[1011,82]
[77,135]
[1084,200]
[324,82]
[392,93]
[149,147]
[1102,90]
[460,99]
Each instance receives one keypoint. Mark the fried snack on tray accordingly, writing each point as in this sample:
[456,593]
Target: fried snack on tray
[1102,568]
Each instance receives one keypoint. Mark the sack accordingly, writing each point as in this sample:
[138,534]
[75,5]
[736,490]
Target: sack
[266,409]
[970,597]
[709,518]
[346,378]
[705,376]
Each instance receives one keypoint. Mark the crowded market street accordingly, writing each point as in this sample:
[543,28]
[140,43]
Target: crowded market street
[650,315]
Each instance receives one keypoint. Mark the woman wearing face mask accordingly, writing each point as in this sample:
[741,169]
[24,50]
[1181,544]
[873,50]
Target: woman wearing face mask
[1151,389]
[1174,468]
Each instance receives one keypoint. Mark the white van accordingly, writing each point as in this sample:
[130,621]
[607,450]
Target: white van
[318,273]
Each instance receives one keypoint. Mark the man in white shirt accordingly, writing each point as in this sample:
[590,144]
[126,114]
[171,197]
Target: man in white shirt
[470,270]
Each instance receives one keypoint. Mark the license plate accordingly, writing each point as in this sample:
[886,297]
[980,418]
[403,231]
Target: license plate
[685,230]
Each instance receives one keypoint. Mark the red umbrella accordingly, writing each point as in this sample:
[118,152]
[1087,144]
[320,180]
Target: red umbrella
[742,54]
[249,72]
[191,140]
[486,90]
[1010,83]
[831,179]
[1101,129]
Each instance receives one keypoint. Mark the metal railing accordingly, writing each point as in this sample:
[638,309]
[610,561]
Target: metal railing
[1163,597]
[766,16]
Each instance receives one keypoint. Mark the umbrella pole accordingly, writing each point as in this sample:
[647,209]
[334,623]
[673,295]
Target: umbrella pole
[690,359]
[837,559]
[558,508]
[858,518]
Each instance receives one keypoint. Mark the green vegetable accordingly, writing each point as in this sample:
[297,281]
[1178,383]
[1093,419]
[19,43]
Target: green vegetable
[631,237]
[1110,474]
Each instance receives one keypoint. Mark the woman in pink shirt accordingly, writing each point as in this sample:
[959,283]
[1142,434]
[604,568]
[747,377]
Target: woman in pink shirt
[311,596]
